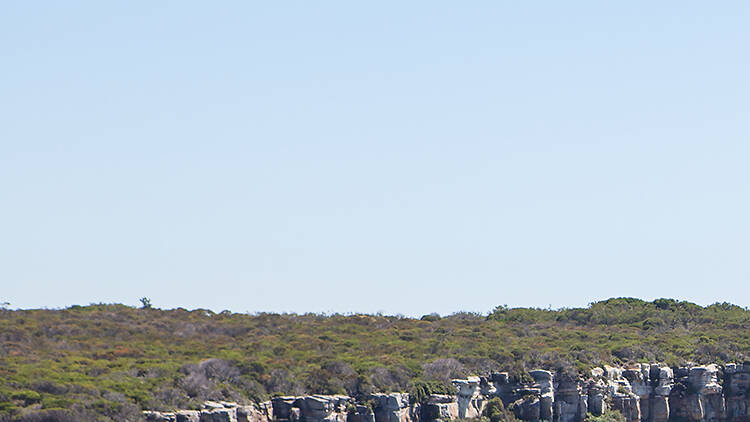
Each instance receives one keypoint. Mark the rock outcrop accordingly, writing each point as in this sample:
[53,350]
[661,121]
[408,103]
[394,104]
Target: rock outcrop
[641,392]
[316,408]
[215,412]
[439,407]
[392,407]
[469,397]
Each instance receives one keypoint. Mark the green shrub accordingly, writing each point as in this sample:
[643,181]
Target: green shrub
[52,402]
[422,390]
[106,407]
[27,396]
[431,317]
[370,404]
[608,416]
[8,407]
[495,411]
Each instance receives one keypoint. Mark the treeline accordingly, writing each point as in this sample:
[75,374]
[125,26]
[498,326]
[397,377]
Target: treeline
[108,362]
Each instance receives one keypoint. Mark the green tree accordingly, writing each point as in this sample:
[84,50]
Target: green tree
[496,412]
[146,303]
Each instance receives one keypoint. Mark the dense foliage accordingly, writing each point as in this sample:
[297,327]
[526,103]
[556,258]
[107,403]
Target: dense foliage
[495,411]
[609,416]
[109,361]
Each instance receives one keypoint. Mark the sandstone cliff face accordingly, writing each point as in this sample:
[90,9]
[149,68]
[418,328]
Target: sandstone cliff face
[641,392]
[216,412]
[392,407]
[471,396]
[737,392]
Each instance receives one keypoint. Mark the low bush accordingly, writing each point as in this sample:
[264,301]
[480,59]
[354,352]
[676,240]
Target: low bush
[105,358]
[608,416]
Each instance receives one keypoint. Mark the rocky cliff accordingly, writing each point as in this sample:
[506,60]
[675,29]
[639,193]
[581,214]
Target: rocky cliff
[641,392]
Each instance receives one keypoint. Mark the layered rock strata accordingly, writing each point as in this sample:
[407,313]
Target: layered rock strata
[641,392]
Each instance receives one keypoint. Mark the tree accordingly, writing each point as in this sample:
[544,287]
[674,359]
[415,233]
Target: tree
[146,302]
[496,412]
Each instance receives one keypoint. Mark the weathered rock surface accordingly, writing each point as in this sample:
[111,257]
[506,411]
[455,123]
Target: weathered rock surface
[469,397]
[440,407]
[254,413]
[392,407]
[641,392]
[282,407]
[219,415]
[188,416]
[152,416]
[361,414]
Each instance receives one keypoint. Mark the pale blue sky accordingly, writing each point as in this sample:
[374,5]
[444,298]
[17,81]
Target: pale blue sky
[404,157]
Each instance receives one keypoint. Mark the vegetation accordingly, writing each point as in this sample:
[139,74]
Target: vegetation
[422,390]
[105,362]
[495,411]
[609,416]
[146,303]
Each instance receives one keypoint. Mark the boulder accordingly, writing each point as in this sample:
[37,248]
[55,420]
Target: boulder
[703,378]
[252,413]
[187,416]
[439,407]
[470,405]
[282,407]
[393,407]
[499,378]
[527,408]
[152,416]
[361,414]
[320,408]
[219,415]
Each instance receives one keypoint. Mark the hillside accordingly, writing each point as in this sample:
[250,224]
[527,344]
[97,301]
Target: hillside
[109,361]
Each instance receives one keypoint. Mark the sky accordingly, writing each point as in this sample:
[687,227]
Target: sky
[390,156]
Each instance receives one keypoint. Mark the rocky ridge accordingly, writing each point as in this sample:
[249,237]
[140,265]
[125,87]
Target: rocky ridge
[641,392]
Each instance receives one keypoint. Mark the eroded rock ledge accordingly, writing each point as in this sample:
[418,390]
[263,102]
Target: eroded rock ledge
[642,392]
